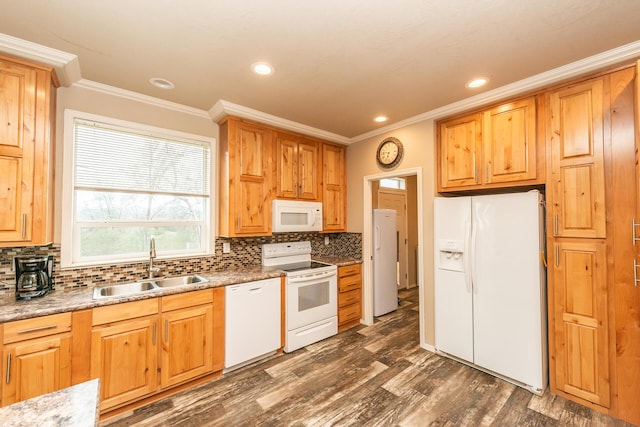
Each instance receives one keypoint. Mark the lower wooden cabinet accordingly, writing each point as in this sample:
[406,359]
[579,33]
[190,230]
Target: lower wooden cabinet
[349,296]
[37,357]
[579,335]
[187,337]
[124,353]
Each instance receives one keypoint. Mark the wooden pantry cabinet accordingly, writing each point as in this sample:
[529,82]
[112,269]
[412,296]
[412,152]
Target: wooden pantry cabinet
[594,304]
[298,168]
[349,296]
[246,171]
[36,357]
[493,148]
[27,120]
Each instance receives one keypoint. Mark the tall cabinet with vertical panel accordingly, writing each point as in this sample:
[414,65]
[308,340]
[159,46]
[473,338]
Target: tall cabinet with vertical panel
[594,299]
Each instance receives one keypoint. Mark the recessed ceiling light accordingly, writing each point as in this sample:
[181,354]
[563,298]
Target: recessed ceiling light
[481,81]
[262,68]
[161,83]
[381,119]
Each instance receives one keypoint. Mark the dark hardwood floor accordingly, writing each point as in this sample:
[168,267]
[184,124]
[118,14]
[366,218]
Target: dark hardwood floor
[368,376]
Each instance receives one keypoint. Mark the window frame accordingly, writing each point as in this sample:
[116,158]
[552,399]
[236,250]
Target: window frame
[69,238]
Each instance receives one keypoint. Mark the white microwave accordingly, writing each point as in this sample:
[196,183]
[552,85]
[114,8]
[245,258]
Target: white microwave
[294,216]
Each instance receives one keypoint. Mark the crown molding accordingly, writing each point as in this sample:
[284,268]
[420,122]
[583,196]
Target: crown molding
[224,108]
[66,64]
[575,69]
[138,97]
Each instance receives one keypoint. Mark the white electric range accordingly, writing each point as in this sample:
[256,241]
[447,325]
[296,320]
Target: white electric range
[311,293]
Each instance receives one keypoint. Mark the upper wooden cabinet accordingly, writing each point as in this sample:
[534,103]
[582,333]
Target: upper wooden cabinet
[334,189]
[488,149]
[246,177]
[577,179]
[27,96]
[298,167]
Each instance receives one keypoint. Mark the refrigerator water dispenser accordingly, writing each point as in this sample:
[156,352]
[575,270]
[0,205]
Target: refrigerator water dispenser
[451,255]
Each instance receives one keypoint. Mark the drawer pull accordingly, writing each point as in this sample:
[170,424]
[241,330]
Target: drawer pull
[8,379]
[39,328]
[166,330]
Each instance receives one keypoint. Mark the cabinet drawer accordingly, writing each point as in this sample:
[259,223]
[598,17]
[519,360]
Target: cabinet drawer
[349,270]
[350,283]
[349,313]
[348,298]
[188,299]
[124,311]
[26,329]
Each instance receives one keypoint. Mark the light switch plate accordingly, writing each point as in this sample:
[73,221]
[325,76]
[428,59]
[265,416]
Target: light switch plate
[226,247]
[326,240]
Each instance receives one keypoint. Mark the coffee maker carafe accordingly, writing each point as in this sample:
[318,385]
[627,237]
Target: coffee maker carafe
[33,276]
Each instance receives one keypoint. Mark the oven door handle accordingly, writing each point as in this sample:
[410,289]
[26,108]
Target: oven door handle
[310,277]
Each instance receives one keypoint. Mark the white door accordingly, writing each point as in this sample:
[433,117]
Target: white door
[507,286]
[453,288]
[397,200]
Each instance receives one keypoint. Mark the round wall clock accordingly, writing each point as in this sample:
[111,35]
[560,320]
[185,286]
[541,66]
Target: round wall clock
[389,152]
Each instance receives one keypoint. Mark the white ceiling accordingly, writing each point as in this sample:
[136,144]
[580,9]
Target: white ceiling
[338,63]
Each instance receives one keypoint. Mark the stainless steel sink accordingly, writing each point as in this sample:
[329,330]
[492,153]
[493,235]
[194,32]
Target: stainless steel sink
[123,289]
[135,288]
[171,282]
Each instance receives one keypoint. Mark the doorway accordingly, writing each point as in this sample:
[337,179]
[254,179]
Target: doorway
[396,199]
[367,241]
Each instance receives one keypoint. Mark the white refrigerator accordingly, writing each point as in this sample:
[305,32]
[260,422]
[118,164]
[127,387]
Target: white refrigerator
[385,259]
[490,287]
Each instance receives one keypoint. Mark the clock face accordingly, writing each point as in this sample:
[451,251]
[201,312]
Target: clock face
[389,152]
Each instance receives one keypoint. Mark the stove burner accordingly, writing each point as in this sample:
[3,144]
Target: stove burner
[306,265]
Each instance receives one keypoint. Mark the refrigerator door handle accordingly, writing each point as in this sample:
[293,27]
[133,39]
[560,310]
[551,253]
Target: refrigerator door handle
[467,256]
[474,280]
[377,238]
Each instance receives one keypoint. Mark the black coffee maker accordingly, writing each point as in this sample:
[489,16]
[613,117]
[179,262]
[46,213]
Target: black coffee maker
[34,276]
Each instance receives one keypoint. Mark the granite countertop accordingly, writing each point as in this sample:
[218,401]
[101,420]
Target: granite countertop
[80,299]
[339,261]
[75,406]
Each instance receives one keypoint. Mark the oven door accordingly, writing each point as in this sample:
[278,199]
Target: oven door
[310,298]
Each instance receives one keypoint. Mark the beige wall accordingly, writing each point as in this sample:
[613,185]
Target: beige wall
[418,141]
[94,102]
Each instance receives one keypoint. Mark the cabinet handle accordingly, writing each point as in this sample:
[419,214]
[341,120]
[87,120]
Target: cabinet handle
[153,337]
[166,330]
[24,226]
[555,226]
[557,256]
[477,174]
[39,328]
[486,172]
[635,273]
[634,224]
[8,379]
[238,224]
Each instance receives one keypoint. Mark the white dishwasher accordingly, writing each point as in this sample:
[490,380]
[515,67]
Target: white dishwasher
[252,321]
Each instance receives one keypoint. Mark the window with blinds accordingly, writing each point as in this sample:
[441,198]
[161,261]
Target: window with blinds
[130,185]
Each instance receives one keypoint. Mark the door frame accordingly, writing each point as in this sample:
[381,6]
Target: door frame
[367,235]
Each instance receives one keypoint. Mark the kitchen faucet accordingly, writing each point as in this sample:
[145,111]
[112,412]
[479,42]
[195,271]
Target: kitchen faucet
[152,255]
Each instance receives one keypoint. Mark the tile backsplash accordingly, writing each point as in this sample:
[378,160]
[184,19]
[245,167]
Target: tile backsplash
[244,252]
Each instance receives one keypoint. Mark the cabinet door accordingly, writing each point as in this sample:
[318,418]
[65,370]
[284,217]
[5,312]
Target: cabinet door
[187,344]
[579,331]
[459,149]
[334,188]
[575,129]
[287,168]
[35,367]
[253,164]
[124,356]
[509,139]
[309,170]
[17,150]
